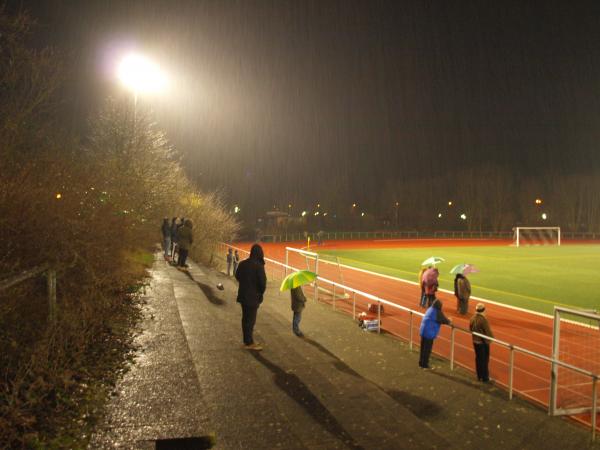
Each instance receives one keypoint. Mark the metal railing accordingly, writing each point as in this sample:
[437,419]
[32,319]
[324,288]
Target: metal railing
[355,300]
[441,234]
[50,274]
[358,235]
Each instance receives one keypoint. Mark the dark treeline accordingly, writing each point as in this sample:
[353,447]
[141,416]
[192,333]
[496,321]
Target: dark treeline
[90,206]
[492,197]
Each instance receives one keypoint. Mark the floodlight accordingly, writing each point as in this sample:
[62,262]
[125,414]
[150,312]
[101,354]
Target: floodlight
[140,74]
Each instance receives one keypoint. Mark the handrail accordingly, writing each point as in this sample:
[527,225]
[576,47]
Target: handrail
[50,282]
[25,275]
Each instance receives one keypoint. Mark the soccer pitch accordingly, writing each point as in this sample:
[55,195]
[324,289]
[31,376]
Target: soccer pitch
[534,278]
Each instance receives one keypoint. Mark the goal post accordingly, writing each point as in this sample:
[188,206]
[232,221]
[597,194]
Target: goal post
[576,343]
[536,236]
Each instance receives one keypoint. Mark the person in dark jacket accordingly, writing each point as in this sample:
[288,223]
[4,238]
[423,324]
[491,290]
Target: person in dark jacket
[173,236]
[185,238]
[166,236]
[479,324]
[253,283]
[298,305]
[462,292]
[430,327]
[236,261]
[229,259]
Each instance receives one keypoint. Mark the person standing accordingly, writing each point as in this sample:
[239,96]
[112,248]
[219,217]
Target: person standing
[429,330]
[430,284]
[252,285]
[229,259]
[423,299]
[166,236]
[236,261]
[173,236]
[479,324]
[462,291]
[185,238]
[298,305]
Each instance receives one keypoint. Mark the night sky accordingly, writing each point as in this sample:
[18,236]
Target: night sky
[273,101]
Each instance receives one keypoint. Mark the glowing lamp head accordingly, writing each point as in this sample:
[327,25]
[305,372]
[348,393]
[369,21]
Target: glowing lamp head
[140,74]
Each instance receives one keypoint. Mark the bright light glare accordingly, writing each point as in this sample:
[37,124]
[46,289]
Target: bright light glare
[303,213]
[140,74]
[463,216]
[544,216]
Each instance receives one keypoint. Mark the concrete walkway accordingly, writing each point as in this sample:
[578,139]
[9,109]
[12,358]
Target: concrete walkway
[340,387]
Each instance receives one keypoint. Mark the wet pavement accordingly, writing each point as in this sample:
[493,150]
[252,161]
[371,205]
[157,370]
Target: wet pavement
[339,387]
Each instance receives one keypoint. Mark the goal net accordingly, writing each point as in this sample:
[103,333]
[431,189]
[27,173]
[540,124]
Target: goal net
[576,342]
[328,268]
[536,236]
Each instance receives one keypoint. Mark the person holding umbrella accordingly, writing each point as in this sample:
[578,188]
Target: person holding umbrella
[294,283]
[462,286]
[422,299]
[429,280]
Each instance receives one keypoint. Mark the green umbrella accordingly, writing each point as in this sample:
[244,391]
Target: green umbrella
[300,278]
[464,269]
[432,261]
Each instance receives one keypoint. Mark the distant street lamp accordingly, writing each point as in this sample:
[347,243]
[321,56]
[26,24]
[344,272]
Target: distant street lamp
[463,216]
[544,216]
[538,201]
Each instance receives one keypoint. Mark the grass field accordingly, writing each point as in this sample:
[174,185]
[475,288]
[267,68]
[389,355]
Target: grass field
[534,278]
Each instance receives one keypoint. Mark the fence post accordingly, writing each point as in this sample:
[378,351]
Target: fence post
[51,283]
[410,330]
[334,297]
[317,280]
[378,316]
[511,370]
[354,305]
[452,347]
[594,405]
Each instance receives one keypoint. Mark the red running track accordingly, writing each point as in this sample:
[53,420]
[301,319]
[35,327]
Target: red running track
[519,327]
